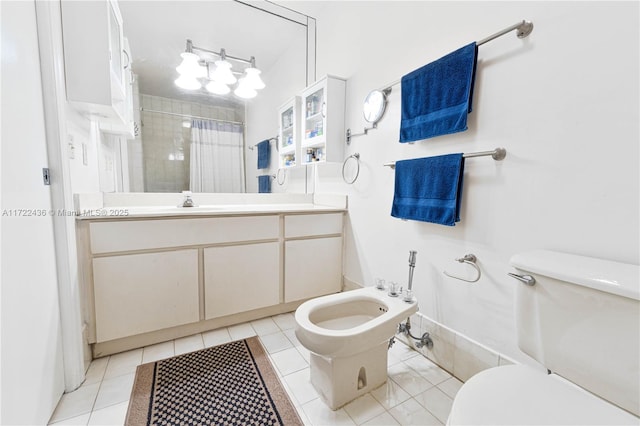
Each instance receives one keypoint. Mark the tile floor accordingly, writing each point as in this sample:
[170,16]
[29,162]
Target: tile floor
[418,392]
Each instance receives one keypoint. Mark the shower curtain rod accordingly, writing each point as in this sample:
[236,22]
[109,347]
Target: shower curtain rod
[191,116]
[524,29]
[497,154]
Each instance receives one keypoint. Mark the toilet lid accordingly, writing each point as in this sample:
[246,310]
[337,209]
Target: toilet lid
[520,395]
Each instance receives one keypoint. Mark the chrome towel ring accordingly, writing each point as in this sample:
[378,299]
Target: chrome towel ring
[284,176]
[355,156]
[469,259]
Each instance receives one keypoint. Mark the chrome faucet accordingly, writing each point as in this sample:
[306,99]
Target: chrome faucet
[412,263]
[188,202]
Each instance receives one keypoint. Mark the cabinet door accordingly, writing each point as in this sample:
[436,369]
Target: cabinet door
[140,293]
[115,44]
[312,268]
[314,106]
[322,121]
[289,138]
[241,278]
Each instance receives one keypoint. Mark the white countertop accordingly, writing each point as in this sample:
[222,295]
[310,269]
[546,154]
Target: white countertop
[141,212]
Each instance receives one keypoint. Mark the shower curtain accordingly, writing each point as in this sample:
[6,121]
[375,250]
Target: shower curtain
[217,157]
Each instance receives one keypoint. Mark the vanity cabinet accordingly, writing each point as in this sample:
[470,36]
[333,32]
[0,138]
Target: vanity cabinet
[148,280]
[95,59]
[289,133]
[322,121]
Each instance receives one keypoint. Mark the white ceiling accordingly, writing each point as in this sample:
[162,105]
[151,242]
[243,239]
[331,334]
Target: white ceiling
[157,32]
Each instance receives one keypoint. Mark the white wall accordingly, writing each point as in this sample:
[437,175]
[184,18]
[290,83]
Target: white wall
[82,135]
[32,369]
[283,80]
[563,102]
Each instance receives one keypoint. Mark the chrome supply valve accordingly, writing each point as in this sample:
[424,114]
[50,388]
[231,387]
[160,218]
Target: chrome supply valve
[425,340]
[422,341]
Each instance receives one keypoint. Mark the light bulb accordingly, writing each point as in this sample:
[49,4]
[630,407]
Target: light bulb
[253,78]
[244,90]
[217,87]
[188,83]
[223,73]
[190,66]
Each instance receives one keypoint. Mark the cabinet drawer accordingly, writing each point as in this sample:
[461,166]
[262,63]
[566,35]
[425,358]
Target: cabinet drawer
[109,237]
[312,224]
[140,293]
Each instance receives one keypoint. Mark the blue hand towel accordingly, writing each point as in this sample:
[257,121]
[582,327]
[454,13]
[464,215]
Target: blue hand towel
[429,189]
[264,184]
[264,154]
[437,97]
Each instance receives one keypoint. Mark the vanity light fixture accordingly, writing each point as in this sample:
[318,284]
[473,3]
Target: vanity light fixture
[198,69]
[188,82]
[252,76]
[244,89]
[190,65]
[222,73]
[215,86]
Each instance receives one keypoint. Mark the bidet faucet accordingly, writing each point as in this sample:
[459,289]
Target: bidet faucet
[412,263]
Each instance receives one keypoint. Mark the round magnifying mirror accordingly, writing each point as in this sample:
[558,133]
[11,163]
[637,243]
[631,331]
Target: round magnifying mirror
[374,106]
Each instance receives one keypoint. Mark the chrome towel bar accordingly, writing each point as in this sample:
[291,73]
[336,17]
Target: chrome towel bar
[275,138]
[497,154]
[523,27]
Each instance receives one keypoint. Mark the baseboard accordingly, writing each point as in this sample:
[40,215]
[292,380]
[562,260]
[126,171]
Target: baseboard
[452,351]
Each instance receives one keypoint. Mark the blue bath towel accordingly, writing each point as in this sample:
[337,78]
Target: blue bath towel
[264,154]
[437,97]
[264,184]
[429,189]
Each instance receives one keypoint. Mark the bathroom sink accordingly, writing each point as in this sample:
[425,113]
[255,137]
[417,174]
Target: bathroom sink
[190,209]
[171,210]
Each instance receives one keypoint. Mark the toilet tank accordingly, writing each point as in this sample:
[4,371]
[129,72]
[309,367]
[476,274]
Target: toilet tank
[581,320]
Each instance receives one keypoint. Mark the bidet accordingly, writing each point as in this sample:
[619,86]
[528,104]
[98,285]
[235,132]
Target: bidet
[348,336]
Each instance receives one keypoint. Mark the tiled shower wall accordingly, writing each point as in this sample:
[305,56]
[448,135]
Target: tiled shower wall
[166,139]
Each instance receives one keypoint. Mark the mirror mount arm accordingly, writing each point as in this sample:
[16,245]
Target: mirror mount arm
[364,132]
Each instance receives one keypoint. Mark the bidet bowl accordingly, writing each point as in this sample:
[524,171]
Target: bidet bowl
[343,324]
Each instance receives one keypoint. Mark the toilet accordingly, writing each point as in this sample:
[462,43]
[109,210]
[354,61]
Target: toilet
[580,320]
[348,336]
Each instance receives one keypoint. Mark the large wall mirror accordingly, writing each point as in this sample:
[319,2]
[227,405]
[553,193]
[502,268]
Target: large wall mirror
[194,139]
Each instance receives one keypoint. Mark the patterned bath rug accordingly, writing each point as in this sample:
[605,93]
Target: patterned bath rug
[230,384]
